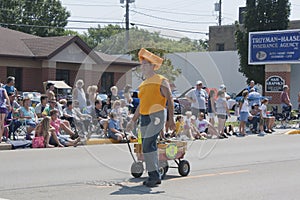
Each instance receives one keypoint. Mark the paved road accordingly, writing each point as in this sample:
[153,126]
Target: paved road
[238,168]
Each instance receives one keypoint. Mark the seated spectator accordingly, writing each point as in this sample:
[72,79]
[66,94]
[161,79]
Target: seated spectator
[254,117]
[116,108]
[205,128]
[74,116]
[13,114]
[124,112]
[114,130]
[179,122]
[63,103]
[28,114]
[100,115]
[268,120]
[61,140]
[53,105]
[43,129]
[41,106]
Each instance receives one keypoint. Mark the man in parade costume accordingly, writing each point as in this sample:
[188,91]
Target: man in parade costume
[154,93]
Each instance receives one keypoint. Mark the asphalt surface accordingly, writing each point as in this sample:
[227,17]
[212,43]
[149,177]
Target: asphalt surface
[250,167]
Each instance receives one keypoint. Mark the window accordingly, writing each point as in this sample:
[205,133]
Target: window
[63,75]
[220,47]
[17,73]
[107,80]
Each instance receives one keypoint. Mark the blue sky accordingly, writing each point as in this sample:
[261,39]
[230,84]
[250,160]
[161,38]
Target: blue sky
[192,16]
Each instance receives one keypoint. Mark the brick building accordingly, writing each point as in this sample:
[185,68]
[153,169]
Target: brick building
[222,38]
[33,60]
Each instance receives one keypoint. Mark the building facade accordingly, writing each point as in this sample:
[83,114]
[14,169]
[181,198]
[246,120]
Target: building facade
[33,60]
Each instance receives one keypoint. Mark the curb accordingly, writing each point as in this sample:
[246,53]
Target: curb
[293,132]
[5,146]
[95,141]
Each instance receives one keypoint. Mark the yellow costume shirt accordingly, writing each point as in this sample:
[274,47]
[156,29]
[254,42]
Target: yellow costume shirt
[151,100]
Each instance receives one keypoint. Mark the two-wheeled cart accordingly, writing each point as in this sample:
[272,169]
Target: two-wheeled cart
[167,150]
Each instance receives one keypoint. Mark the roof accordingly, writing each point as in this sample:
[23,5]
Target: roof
[58,84]
[17,44]
[116,59]
[11,43]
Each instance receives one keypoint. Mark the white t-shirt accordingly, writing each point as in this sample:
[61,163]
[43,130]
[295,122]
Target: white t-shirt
[263,109]
[245,106]
[200,96]
[202,125]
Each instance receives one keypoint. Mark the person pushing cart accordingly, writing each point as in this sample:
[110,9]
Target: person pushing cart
[154,93]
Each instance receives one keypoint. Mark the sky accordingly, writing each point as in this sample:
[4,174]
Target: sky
[172,18]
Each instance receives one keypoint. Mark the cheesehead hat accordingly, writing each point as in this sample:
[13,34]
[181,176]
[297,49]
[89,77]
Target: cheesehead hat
[150,57]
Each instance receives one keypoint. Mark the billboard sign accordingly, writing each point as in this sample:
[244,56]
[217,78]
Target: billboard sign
[274,84]
[274,47]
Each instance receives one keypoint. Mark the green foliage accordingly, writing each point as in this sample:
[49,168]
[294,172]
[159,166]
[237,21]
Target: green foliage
[37,17]
[111,40]
[261,15]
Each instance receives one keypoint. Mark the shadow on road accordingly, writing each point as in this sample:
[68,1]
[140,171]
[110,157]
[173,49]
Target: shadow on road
[137,189]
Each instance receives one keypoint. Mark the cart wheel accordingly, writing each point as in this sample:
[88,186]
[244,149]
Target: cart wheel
[163,168]
[137,169]
[184,167]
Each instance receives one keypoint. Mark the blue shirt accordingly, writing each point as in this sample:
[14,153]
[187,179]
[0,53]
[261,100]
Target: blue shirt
[9,89]
[113,124]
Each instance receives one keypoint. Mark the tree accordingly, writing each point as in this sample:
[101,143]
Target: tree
[111,39]
[260,15]
[37,17]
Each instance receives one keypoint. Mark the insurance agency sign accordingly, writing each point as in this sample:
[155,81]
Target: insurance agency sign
[273,47]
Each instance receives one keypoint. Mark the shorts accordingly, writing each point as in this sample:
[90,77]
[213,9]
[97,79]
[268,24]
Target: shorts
[262,121]
[30,123]
[3,110]
[211,115]
[62,139]
[244,116]
[221,116]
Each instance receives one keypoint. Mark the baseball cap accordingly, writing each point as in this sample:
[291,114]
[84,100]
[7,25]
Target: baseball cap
[222,87]
[198,82]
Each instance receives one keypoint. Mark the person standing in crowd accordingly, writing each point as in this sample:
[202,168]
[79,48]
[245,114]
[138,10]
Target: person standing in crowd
[197,97]
[127,94]
[92,95]
[244,112]
[4,109]
[285,101]
[10,85]
[50,90]
[151,112]
[222,113]
[79,94]
[114,95]
[211,107]
[250,86]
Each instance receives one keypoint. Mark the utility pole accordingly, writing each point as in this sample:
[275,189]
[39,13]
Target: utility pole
[127,26]
[220,12]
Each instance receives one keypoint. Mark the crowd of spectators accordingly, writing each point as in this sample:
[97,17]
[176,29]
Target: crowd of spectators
[67,122]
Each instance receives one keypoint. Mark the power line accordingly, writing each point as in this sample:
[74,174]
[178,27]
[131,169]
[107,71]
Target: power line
[166,28]
[96,22]
[84,28]
[170,12]
[172,20]
[91,5]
